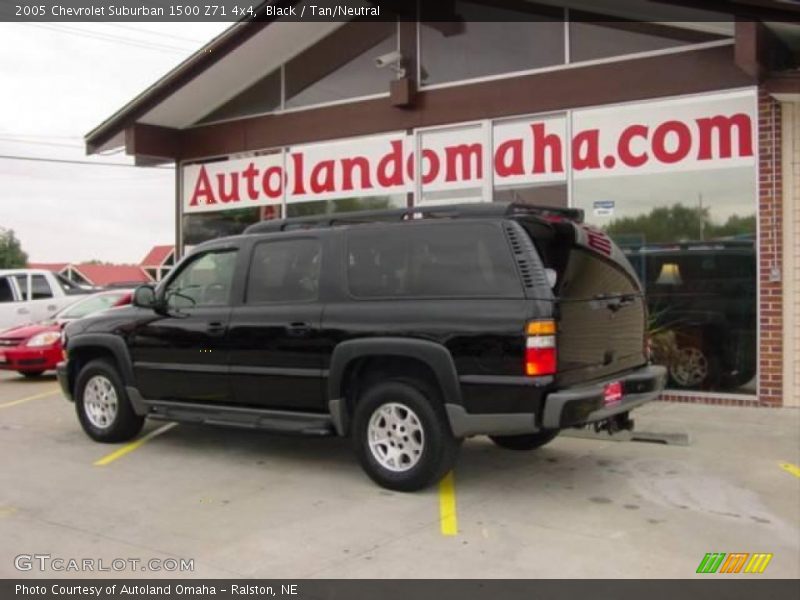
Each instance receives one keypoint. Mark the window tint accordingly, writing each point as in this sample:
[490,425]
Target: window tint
[40,288]
[22,285]
[206,281]
[433,260]
[6,293]
[285,271]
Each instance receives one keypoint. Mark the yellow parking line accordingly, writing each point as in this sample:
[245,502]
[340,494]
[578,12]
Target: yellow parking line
[447,505]
[128,448]
[793,469]
[29,398]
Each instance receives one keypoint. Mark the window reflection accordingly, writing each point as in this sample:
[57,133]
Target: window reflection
[691,238]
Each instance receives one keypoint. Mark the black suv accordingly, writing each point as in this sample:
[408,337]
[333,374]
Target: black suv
[406,330]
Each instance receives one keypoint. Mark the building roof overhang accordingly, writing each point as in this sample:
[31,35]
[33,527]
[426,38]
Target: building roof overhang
[148,126]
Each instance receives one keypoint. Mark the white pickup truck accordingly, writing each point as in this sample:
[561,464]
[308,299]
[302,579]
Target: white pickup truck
[29,295]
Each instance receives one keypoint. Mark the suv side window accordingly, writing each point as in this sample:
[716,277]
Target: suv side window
[40,288]
[284,271]
[445,260]
[206,281]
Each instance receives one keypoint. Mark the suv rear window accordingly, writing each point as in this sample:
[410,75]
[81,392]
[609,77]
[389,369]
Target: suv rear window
[449,260]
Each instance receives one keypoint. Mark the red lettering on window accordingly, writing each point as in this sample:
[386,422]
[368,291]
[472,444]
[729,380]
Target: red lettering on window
[684,136]
[627,157]
[202,189]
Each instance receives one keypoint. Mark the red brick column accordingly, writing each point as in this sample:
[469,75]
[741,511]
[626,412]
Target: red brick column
[770,252]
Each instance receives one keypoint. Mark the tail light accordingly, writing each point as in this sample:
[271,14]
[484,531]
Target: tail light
[540,348]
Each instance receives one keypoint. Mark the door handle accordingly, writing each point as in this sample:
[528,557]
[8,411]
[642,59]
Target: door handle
[299,329]
[23,311]
[52,307]
[216,328]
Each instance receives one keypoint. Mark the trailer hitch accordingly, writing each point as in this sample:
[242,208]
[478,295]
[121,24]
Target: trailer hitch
[620,422]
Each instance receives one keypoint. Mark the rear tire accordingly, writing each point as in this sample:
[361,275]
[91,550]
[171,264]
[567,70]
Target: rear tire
[102,404]
[402,436]
[528,441]
[30,374]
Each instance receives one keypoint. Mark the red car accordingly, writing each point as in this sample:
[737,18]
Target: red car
[35,348]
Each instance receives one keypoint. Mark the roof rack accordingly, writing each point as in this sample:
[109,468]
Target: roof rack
[452,211]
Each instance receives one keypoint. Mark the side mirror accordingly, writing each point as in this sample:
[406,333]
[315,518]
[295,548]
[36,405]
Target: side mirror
[144,296]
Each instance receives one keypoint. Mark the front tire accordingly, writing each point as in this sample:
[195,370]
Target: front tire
[528,441]
[402,437]
[102,404]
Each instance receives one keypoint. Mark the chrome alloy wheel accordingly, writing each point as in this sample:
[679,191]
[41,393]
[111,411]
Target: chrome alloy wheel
[690,367]
[395,437]
[100,401]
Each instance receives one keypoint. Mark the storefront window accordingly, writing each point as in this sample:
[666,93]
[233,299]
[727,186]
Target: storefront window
[688,229]
[201,227]
[530,161]
[487,40]
[603,39]
[453,165]
[344,205]
[342,65]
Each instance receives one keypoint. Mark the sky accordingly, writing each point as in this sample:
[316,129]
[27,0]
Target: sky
[59,81]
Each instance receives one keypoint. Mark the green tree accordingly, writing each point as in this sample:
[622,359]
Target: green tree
[679,223]
[11,254]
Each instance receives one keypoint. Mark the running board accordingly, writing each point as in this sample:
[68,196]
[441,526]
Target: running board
[275,421]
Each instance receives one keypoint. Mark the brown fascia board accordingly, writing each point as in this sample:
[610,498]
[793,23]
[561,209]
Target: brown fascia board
[783,83]
[108,132]
[758,50]
[152,141]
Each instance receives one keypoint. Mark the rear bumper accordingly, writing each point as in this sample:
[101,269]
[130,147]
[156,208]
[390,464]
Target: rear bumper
[577,406]
[566,408]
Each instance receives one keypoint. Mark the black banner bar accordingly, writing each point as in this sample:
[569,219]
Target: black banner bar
[55,11]
[713,588]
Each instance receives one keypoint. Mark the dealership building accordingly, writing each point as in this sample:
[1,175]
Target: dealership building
[679,138]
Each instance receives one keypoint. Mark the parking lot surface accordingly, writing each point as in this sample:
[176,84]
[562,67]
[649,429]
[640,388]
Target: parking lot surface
[247,504]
